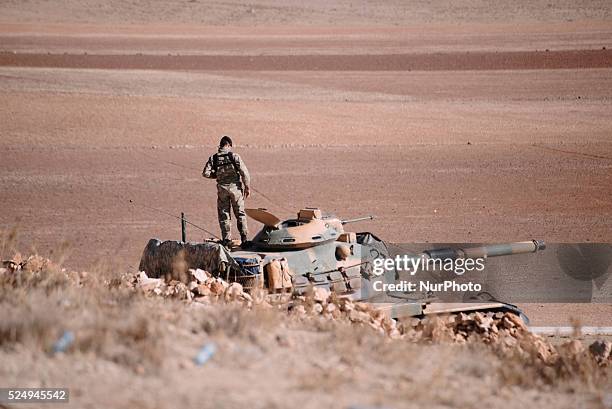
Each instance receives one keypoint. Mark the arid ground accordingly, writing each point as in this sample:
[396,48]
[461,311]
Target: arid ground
[462,122]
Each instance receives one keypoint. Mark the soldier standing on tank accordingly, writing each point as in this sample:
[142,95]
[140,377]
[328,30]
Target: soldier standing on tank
[232,188]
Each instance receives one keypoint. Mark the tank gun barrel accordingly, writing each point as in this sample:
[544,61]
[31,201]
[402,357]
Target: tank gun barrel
[357,219]
[493,250]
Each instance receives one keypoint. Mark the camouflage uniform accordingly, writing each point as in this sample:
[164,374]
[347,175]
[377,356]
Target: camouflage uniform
[227,167]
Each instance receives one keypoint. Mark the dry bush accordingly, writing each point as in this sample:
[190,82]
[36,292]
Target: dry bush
[40,301]
[132,337]
[111,316]
[129,336]
[32,324]
[568,365]
[35,274]
[8,241]
[115,319]
[232,320]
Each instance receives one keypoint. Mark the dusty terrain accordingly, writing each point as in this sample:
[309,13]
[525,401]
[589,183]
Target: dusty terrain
[134,340]
[450,122]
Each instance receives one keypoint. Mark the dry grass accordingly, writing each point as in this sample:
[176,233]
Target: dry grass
[322,354]
[113,324]
[572,367]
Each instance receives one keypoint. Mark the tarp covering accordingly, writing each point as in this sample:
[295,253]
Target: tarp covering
[174,257]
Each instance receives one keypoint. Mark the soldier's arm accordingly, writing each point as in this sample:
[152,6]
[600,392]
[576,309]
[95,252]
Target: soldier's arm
[208,170]
[244,172]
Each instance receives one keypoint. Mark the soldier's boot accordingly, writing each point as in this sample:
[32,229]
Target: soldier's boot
[244,241]
[227,243]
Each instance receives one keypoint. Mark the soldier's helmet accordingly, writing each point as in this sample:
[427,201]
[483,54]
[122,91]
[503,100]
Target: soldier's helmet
[225,141]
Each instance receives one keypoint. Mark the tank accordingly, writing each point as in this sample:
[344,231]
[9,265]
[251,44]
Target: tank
[314,250]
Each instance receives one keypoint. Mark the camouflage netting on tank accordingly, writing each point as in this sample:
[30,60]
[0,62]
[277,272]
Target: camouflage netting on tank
[173,259]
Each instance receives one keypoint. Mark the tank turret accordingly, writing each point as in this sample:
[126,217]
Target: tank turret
[310,228]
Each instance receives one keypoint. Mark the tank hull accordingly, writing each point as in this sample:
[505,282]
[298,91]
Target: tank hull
[313,250]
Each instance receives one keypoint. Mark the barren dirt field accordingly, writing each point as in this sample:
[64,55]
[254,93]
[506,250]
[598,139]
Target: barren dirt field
[450,122]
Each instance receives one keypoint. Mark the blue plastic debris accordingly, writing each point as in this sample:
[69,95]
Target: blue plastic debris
[205,353]
[62,344]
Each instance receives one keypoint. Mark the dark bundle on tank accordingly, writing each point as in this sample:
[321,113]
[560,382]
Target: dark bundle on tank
[173,259]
